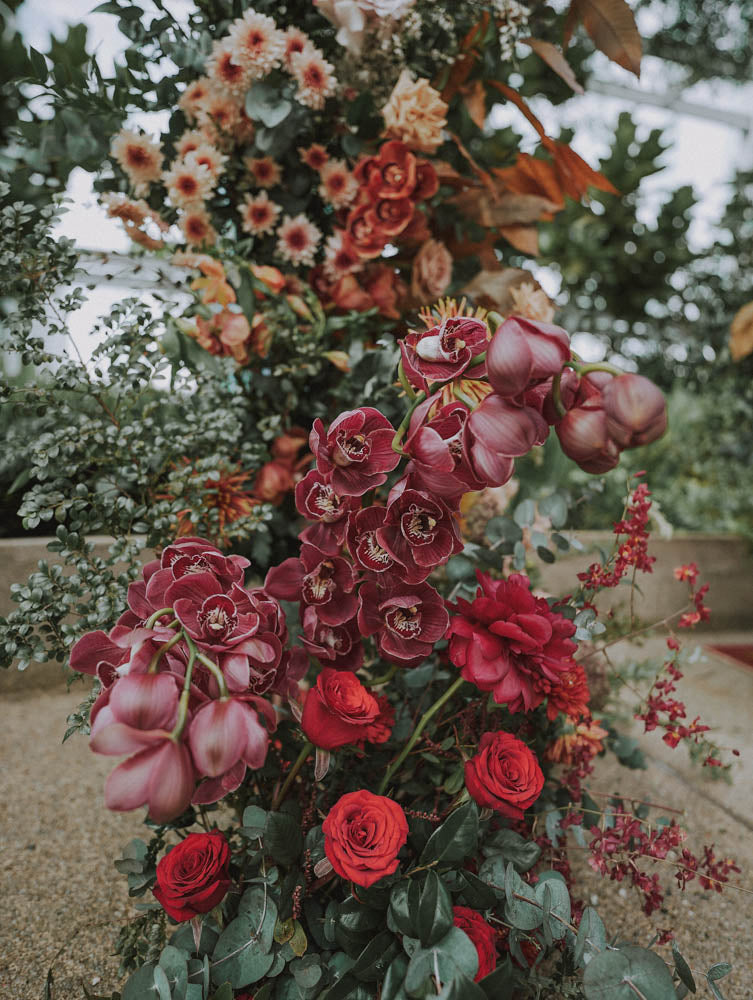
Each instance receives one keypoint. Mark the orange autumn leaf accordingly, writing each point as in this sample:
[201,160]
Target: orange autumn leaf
[611,25]
[523,238]
[574,174]
[474,95]
[532,176]
[741,333]
[555,60]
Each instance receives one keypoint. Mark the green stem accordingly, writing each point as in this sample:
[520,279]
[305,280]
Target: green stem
[308,746]
[385,677]
[150,622]
[496,319]
[211,667]
[180,725]
[410,392]
[422,723]
[600,367]
[559,406]
[400,432]
[161,652]
[476,360]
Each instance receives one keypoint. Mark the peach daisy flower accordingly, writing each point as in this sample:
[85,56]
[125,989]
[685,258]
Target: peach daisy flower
[189,141]
[135,216]
[197,226]
[295,41]
[339,187]
[258,44]
[298,239]
[340,257]
[194,96]
[207,155]
[315,77]
[218,109]
[140,158]
[265,171]
[314,156]
[188,181]
[225,70]
[259,214]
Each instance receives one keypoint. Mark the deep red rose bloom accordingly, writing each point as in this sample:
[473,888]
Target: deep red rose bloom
[509,642]
[363,835]
[356,451]
[497,432]
[338,710]
[635,409]
[504,775]
[443,352]
[317,500]
[439,463]
[523,352]
[483,936]
[363,543]
[419,533]
[322,581]
[406,618]
[194,876]
[337,645]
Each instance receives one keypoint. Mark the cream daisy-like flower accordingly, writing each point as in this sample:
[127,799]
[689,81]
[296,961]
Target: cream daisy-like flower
[298,239]
[415,114]
[225,70]
[296,42]
[197,226]
[314,156]
[140,158]
[340,258]
[189,141]
[218,110]
[315,77]
[339,187]
[207,155]
[258,44]
[188,181]
[264,170]
[194,97]
[259,214]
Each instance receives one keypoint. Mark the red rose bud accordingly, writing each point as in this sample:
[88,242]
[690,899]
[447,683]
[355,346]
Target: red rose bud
[363,834]
[498,431]
[194,876]
[273,481]
[635,409]
[443,352]
[523,352]
[483,936]
[339,710]
[584,437]
[356,451]
[504,775]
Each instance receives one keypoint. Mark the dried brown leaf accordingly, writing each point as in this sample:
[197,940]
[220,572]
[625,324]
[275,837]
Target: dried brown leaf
[741,333]
[611,25]
[555,60]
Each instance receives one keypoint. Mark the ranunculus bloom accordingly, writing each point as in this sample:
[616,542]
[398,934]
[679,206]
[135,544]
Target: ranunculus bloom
[483,936]
[443,352]
[363,834]
[415,114]
[339,711]
[419,533]
[406,618]
[317,500]
[356,450]
[504,775]
[194,876]
[635,409]
[439,464]
[319,580]
[431,271]
[338,645]
[509,642]
[497,432]
[523,352]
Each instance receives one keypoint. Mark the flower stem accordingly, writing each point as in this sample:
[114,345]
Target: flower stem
[308,746]
[211,666]
[409,390]
[400,432]
[154,662]
[559,406]
[599,367]
[422,723]
[180,725]
[151,621]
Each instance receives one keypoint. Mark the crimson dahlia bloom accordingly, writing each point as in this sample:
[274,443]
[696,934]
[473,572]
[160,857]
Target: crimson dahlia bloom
[509,642]
[318,580]
[407,619]
[443,352]
[419,533]
[524,352]
[356,451]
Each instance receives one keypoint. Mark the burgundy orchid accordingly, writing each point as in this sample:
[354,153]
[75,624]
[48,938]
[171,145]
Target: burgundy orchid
[317,501]
[363,544]
[339,646]
[318,580]
[635,409]
[356,450]
[407,620]
[439,464]
[216,620]
[497,432]
[226,731]
[419,533]
[443,352]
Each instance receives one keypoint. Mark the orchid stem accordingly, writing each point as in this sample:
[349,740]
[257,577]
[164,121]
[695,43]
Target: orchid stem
[212,667]
[161,652]
[151,621]
[400,432]
[422,723]
[410,392]
[308,746]
[180,724]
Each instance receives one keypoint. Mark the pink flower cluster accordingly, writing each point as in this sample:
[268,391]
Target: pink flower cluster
[183,674]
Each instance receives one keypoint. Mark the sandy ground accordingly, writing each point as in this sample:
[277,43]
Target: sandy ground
[62,902]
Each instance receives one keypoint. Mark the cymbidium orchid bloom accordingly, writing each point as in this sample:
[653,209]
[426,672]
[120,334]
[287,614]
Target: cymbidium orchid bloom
[419,533]
[317,500]
[407,619]
[523,352]
[363,543]
[214,619]
[498,431]
[356,450]
[337,645]
[317,580]
[227,730]
[439,463]
[443,352]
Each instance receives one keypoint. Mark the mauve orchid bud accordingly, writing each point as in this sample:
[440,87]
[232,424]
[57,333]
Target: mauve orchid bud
[585,439]
[635,409]
[160,777]
[224,732]
[498,431]
[523,352]
[145,701]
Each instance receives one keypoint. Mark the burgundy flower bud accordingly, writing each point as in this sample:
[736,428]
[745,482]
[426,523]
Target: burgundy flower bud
[635,409]
[439,463]
[497,432]
[584,437]
[407,620]
[224,732]
[356,451]
[419,533]
[443,352]
[523,352]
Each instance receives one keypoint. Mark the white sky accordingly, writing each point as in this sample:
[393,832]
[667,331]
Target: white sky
[701,153]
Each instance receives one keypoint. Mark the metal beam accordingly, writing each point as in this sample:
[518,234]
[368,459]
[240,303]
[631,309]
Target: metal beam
[672,102]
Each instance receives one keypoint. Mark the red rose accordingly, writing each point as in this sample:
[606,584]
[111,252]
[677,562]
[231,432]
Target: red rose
[193,877]
[339,710]
[504,775]
[483,936]
[363,834]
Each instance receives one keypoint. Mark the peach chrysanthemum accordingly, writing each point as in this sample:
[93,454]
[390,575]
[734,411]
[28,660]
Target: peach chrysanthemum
[532,302]
[415,114]
[194,97]
[314,156]
[197,226]
[188,181]
[259,214]
[298,239]
[315,77]
[218,110]
[225,70]
[295,41]
[586,738]
[209,266]
[190,141]
[139,156]
[135,216]
[340,258]
[265,171]
[258,44]
[207,155]
[339,187]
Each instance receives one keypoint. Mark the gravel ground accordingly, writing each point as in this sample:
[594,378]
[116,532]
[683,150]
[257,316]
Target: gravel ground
[62,902]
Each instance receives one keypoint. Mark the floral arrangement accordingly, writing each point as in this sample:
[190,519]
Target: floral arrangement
[379,775]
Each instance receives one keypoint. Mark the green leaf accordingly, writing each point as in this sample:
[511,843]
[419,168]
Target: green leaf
[254,821]
[502,983]
[454,840]
[434,916]
[307,971]
[555,899]
[392,987]
[371,965]
[613,974]
[399,911]
[38,64]
[265,103]
[545,554]
[592,937]
[225,992]
[175,964]
[454,954]
[521,852]
[140,985]
[524,513]
[719,971]
[555,508]
[243,953]
[522,909]
[683,969]
[282,837]
[461,987]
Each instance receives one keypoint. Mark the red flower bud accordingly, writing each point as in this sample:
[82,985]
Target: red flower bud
[584,437]
[635,409]
[523,352]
